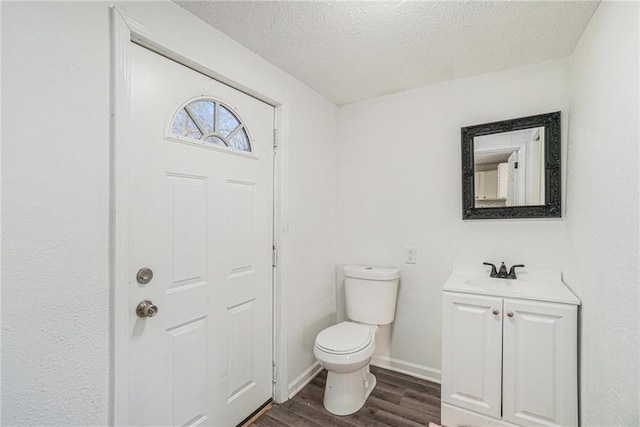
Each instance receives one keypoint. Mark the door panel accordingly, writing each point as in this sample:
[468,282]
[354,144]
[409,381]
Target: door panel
[201,219]
[188,251]
[189,371]
[540,366]
[471,353]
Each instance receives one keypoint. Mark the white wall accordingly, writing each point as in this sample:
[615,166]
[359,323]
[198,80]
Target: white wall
[310,232]
[602,214]
[55,219]
[399,185]
[56,162]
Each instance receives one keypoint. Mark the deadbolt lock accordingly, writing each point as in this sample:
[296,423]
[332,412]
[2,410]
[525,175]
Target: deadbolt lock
[144,276]
[146,309]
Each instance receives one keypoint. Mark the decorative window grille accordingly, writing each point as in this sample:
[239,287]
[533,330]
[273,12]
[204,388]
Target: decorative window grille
[209,121]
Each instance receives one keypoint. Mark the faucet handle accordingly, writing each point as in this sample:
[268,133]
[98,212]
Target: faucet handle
[494,272]
[512,271]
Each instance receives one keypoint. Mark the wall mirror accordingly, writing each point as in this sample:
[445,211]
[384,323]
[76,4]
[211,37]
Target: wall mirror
[511,168]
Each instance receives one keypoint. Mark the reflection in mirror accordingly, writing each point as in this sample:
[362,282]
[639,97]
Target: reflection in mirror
[509,168]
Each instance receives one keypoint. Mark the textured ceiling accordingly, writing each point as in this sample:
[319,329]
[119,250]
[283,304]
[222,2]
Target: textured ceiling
[353,50]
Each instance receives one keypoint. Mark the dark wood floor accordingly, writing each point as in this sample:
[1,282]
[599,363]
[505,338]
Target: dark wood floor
[397,400]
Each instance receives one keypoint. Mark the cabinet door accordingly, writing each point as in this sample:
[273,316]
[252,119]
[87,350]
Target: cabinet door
[503,179]
[491,184]
[471,352]
[540,363]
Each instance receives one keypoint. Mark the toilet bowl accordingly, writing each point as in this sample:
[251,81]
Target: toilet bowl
[345,349]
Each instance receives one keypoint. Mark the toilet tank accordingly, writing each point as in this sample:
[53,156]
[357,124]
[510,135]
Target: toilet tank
[371,293]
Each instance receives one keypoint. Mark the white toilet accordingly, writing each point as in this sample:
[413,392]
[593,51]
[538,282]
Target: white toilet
[345,349]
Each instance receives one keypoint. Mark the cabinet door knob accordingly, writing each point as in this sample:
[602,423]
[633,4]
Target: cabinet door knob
[510,314]
[496,311]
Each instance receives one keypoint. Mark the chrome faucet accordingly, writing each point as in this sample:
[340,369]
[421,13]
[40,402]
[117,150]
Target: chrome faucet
[502,273]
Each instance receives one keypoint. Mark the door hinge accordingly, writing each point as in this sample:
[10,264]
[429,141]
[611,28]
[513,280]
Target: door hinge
[515,166]
[274,256]
[274,372]
[275,138]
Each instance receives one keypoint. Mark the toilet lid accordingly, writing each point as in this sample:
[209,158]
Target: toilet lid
[345,337]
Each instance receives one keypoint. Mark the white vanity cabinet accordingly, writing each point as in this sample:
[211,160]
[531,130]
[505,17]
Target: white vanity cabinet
[508,361]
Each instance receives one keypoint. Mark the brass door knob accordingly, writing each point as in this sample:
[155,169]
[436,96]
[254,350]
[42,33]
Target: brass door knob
[496,311]
[510,314]
[146,309]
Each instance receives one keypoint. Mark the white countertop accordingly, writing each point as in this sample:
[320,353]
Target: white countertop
[531,284]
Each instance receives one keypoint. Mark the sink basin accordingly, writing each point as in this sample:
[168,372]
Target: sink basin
[492,284]
[506,285]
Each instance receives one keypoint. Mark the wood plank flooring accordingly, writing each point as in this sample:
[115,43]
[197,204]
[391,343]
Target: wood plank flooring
[397,400]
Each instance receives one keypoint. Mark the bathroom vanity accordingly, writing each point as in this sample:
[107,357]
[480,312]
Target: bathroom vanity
[509,350]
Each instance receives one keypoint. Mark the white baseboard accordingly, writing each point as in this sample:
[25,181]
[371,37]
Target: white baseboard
[408,368]
[304,378]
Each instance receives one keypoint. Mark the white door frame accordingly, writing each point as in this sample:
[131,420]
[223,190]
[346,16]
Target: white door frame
[125,30]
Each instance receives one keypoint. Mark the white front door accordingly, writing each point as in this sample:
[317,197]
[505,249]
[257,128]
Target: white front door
[200,217]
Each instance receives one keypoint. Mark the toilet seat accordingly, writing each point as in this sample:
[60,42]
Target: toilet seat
[344,338]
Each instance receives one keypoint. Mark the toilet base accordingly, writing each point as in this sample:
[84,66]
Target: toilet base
[345,394]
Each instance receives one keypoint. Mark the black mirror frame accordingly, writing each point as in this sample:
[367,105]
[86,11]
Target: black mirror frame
[552,149]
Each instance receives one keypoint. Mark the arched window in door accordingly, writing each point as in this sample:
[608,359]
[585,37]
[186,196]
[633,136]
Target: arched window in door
[210,121]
